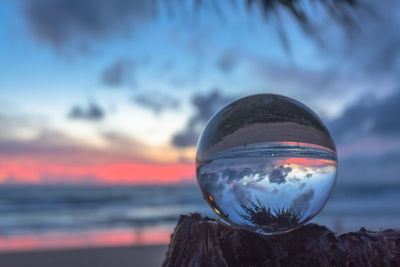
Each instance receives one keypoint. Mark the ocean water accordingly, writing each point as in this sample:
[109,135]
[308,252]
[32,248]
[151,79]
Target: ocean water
[51,217]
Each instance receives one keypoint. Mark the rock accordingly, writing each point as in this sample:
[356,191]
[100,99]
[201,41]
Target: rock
[199,241]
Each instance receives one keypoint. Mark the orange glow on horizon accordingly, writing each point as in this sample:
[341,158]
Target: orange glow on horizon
[80,239]
[23,171]
[307,162]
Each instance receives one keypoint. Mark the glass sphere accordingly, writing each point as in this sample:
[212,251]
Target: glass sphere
[266,163]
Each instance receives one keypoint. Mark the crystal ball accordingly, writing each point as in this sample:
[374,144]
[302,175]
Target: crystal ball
[266,163]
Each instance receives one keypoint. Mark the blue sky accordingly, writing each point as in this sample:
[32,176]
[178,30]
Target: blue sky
[142,67]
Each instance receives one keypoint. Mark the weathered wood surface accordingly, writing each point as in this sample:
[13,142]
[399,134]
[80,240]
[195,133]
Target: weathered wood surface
[199,241]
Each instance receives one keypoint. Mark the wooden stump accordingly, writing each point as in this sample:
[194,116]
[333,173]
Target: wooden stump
[199,241]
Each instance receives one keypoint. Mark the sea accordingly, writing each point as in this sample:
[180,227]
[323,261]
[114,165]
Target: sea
[59,217]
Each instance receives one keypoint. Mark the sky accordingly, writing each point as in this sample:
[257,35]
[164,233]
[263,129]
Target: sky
[117,92]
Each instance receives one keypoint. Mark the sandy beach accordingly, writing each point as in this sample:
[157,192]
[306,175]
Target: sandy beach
[141,256]
[271,132]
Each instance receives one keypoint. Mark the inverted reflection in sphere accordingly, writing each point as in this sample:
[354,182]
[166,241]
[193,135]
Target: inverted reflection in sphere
[266,163]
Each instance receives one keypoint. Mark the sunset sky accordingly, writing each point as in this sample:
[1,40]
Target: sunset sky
[117,91]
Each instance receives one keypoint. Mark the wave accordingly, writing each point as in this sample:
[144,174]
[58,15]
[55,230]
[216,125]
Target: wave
[33,209]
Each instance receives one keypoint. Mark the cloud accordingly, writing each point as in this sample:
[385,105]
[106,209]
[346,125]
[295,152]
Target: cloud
[210,184]
[92,112]
[216,183]
[19,126]
[156,102]
[234,175]
[53,146]
[278,175]
[302,81]
[185,138]
[228,61]
[371,46]
[32,139]
[238,178]
[60,23]
[353,62]
[368,140]
[46,143]
[205,106]
[369,116]
[383,55]
[302,202]
[119,73]
[327,88]
[291,74]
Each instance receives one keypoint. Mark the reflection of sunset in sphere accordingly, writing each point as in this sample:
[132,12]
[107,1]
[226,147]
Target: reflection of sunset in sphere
[266,163]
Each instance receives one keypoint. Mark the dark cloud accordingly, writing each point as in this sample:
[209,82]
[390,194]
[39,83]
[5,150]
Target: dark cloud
[368,116]
[205,106]
[381,24]
[367,134]
[370,47]
[302,202]
[119,73]
[303,82]
[60,22]
[289,74]
[156,102]
[92,112]
[185,138]
[278,175]
[228,61]
[46,143]
[321,86]
[354,60]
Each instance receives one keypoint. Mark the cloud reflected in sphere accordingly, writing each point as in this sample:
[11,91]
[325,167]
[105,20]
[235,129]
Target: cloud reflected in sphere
[266,163]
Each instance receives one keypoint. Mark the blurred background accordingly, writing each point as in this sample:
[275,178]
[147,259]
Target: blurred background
[102,103]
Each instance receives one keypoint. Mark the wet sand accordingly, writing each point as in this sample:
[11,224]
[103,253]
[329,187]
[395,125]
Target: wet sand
[142,256]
